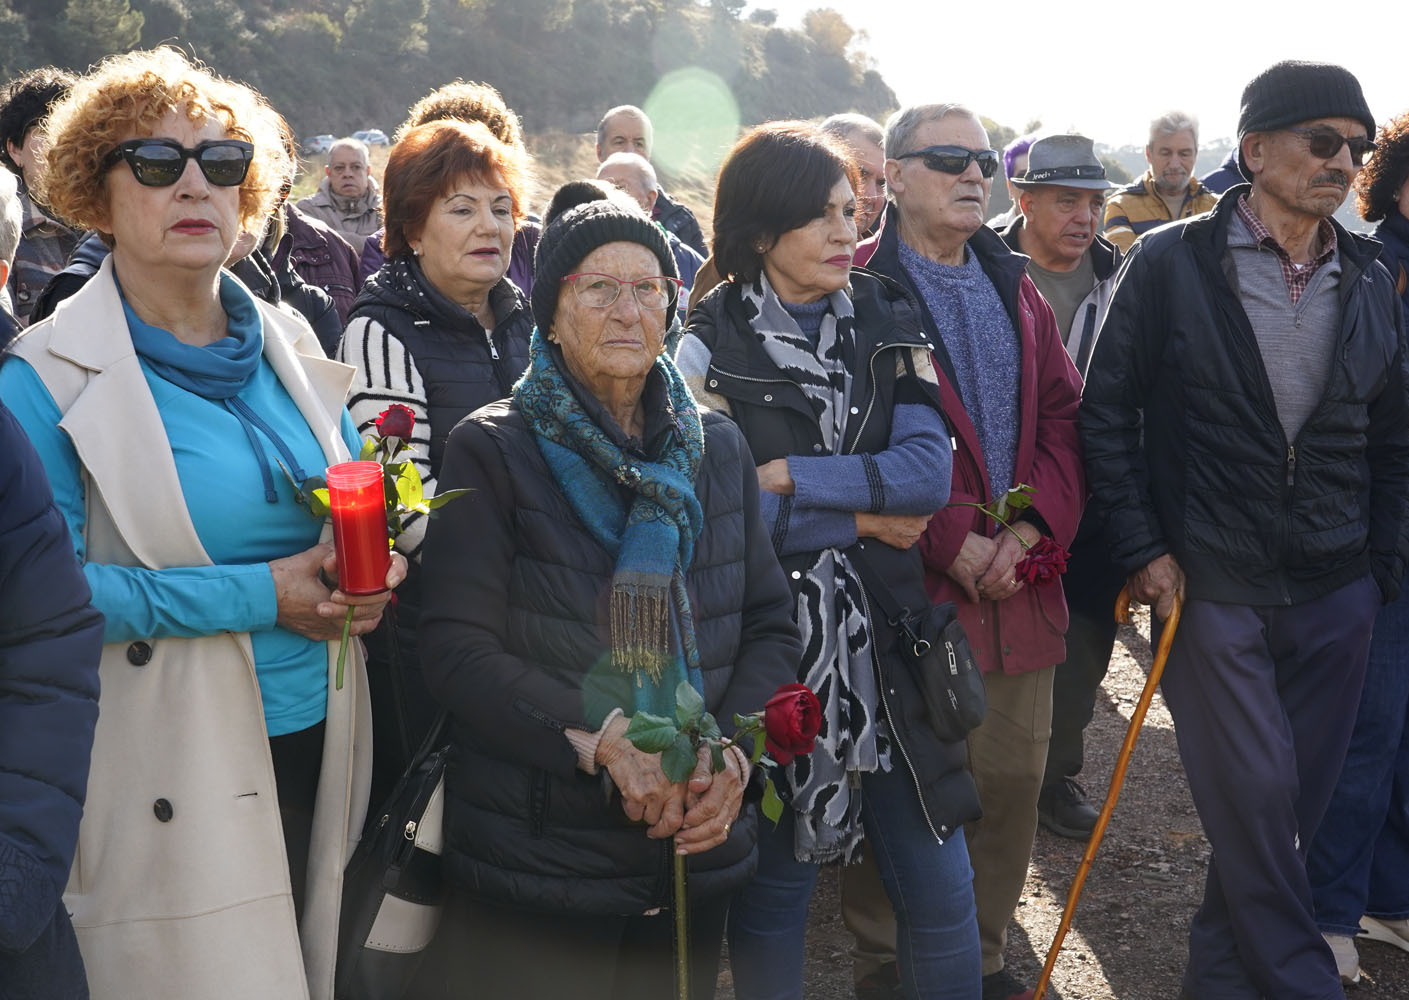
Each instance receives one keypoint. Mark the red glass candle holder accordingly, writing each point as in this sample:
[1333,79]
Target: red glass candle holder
[360,534]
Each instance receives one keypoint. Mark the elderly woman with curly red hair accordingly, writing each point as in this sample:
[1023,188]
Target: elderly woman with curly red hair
[1359,861]
[229,778]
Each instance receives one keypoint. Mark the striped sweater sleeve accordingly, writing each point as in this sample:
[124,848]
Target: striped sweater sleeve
[387,374]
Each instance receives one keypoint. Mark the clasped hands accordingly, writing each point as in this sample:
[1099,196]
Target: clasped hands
[697,813]
[986,567]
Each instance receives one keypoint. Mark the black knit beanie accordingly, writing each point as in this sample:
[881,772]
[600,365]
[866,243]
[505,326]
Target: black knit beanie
[1292,92]
[576,233]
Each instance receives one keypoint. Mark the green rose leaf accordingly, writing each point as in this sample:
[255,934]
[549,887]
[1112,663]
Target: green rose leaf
[771,805]
[369,448]
[319,503]
[709,727]
[651,733]
[716,757]
[689,704]
[441,499]
[679,759]
[408,485]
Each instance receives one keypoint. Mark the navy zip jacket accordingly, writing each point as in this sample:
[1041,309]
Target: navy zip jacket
[50,641]
[1251,517]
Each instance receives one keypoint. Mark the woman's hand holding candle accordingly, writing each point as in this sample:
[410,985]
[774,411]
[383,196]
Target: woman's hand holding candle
[308,607]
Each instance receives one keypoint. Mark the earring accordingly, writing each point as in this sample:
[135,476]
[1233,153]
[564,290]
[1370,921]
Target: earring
[416,251]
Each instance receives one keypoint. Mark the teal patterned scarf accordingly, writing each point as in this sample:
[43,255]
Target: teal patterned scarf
[652,537]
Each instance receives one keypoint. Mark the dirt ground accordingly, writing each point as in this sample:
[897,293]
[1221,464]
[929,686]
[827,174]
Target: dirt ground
[1128,938]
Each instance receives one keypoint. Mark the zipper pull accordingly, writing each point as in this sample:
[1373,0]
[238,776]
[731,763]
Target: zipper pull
[1291,465]
[489,339]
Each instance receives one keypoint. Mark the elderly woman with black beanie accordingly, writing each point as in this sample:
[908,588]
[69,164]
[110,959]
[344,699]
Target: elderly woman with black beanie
[599,494]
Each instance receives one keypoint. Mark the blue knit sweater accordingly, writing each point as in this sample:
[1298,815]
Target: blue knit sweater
[984,348]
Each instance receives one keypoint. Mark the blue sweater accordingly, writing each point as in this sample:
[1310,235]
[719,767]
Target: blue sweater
[983,347]
[239,530]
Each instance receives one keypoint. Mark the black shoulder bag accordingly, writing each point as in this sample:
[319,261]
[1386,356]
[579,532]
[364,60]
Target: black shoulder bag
[933,645]
[392,891]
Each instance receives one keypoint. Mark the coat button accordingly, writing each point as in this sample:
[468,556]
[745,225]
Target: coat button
[855,409]
[139,654]
[714,383]
[163,811]
[768,397]
[1007,650]
[816,447]
[797,574]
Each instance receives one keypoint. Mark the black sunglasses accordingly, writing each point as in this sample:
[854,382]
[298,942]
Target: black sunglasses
[160,162]
[956,159]
[1325,143]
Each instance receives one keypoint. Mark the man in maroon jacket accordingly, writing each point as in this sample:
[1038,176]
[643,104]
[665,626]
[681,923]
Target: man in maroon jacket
[1010,396]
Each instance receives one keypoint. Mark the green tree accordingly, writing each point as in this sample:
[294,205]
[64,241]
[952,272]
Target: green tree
[828,31]
[14,41]
[92,29]
[162,20]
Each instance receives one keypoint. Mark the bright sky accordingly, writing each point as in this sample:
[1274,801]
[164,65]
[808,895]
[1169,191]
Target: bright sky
[1106,69]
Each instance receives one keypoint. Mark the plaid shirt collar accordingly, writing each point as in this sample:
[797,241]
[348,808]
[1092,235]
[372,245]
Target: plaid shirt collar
[1296,276]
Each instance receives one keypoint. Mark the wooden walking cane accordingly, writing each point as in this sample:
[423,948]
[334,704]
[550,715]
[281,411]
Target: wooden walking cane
[1166,639]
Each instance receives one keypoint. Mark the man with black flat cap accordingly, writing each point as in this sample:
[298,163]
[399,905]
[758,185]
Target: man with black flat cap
[1264,346]
[1062,201]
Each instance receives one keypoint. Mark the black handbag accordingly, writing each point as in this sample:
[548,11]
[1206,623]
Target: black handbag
[392,889]
[934,645]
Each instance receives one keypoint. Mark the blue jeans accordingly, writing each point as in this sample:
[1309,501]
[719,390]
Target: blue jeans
[929,884]
[1359,861]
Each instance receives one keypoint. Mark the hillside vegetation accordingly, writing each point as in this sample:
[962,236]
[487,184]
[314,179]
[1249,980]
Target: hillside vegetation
[341,65]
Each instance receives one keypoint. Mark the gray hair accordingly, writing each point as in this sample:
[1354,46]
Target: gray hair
[644,171]
[902,126]
[351,143]
[846,125]
[11,217]
[626,109]
[1171,122]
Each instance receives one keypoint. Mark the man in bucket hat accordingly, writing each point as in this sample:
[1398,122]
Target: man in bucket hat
[1062,199]
[1268,485]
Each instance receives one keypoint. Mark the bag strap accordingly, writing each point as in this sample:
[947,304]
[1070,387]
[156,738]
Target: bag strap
[876,587]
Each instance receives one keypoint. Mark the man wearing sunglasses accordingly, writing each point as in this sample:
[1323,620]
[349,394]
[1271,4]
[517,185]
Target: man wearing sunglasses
[1246,424]
[1010,395]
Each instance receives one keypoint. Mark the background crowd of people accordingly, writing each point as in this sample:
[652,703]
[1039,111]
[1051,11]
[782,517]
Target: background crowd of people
[687,461]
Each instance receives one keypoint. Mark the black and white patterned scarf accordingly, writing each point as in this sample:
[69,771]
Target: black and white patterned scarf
[831,611]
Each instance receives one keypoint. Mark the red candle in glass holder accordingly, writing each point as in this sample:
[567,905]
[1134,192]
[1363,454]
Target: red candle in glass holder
[360,534]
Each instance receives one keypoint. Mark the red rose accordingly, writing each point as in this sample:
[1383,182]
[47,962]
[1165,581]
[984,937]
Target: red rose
[791,720]
[396,421]
[1043,563]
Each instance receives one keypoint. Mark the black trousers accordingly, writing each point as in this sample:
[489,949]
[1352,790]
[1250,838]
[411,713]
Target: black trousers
[487,951]
[298,758]
[1091,583]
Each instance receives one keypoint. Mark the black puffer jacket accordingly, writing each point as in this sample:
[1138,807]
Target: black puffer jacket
[777,421]
[461,366]
[1251,517]
[515,630]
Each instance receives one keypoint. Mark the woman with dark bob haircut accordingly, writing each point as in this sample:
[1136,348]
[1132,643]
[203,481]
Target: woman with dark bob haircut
[1359,861]
[441,329]
[171,408]
[826,371]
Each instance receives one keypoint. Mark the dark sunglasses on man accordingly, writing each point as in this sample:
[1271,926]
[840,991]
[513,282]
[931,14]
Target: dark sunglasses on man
[160,162]
[955,159]
[1326,143]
